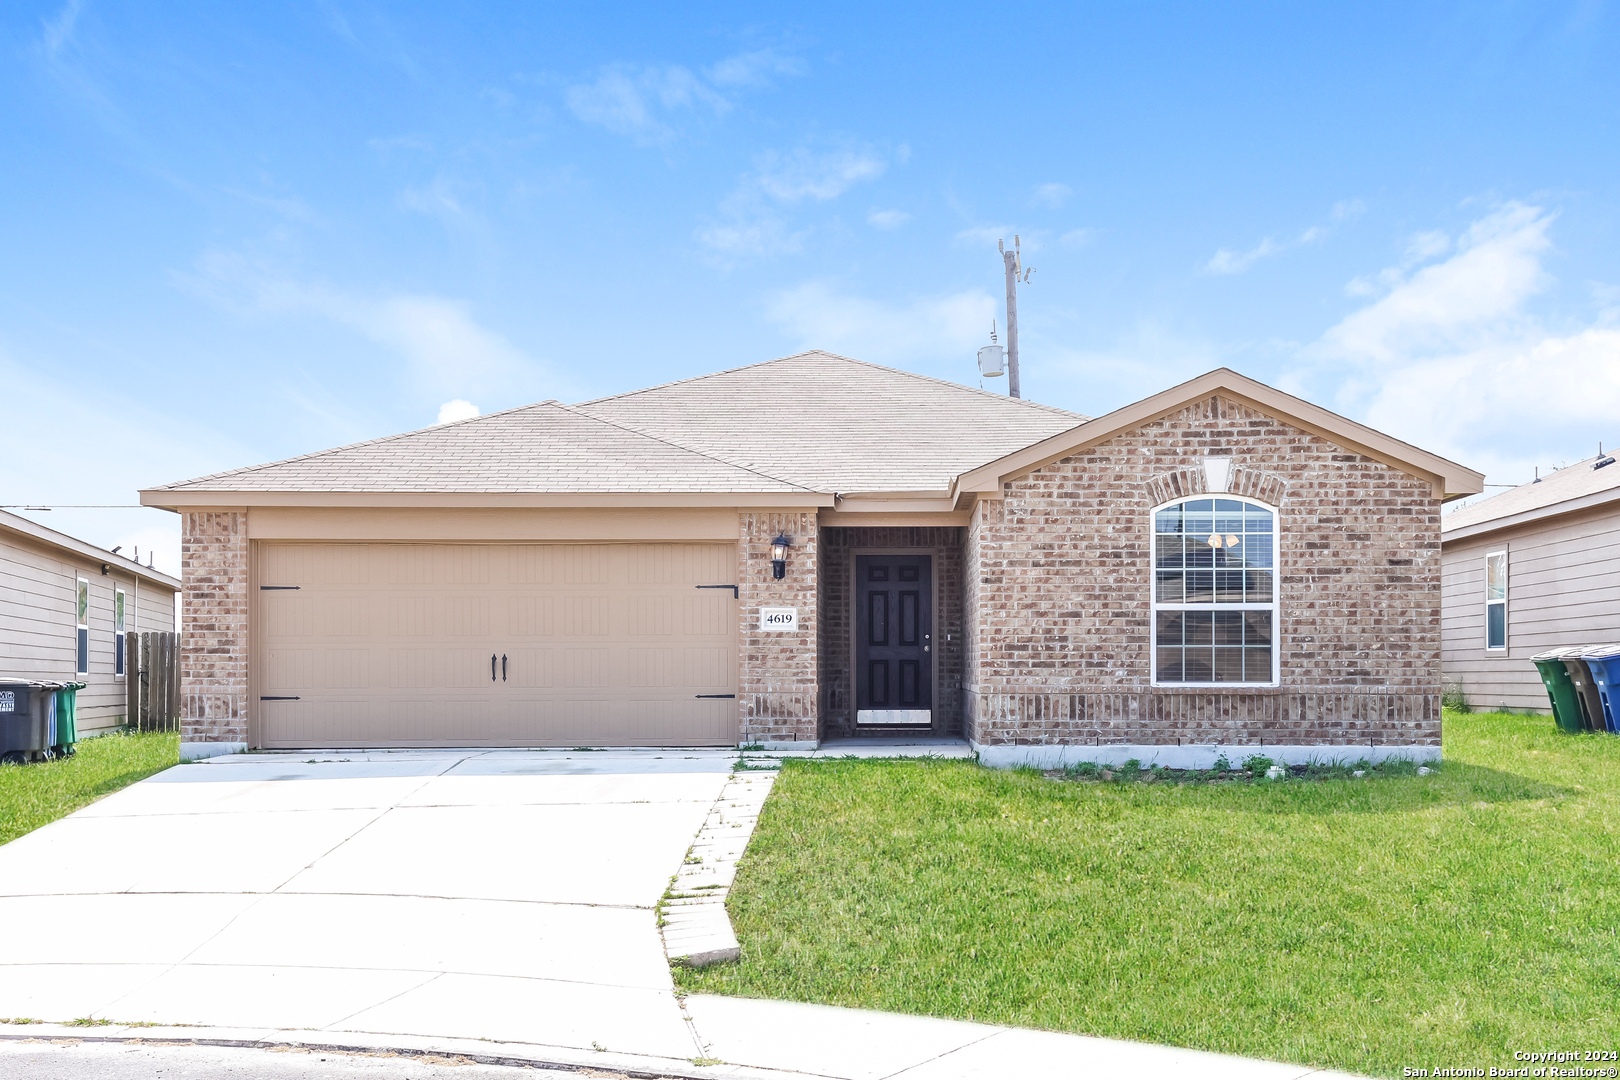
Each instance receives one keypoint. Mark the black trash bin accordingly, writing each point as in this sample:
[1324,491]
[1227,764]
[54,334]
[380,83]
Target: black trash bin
[27,707]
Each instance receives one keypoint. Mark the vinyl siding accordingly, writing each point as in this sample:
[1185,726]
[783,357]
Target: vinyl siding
[37,624]
[1563,589]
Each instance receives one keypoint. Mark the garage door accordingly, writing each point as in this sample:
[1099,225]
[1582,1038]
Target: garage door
[495,645]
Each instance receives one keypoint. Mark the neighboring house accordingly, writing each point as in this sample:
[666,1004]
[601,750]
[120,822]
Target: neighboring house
[1534,568]
[65,610]
[1220,566]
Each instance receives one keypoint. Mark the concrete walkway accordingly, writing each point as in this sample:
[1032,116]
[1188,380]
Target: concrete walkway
[491,904]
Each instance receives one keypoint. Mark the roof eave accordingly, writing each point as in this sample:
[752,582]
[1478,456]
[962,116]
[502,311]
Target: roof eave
[194,498]
[62,541]
[1597,500]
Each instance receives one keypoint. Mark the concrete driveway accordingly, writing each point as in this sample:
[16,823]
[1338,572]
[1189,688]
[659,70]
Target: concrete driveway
[502,895]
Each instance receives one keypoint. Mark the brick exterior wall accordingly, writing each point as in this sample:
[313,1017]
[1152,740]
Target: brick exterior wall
[1059,604]
[777,681]
[214,626]
[838,547]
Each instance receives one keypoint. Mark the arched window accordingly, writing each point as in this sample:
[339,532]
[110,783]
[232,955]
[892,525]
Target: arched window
[1214,593]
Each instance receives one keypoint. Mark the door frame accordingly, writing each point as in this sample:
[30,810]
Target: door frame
[934,554]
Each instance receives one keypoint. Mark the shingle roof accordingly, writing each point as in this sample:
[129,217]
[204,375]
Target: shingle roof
[549,447]
[812,422]
[1565,485]
[839,425]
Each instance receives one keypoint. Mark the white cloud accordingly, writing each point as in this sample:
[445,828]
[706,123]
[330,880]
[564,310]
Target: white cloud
[755,68]
[1077,238]
[1346,209]
[57,31]
[804,173]
[1451,357]
[887,220]
[445,349]
[639,102]
[1226,261]
[933,327]
[1051,196]
[451,411]
[982,235]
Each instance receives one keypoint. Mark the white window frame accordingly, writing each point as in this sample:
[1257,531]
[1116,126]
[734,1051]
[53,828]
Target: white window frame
[81,626]
[1503,555]
[1275,607]
[120,635]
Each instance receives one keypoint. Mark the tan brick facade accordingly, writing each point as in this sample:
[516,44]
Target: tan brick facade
[777,681]
[214,627]
[1059,604]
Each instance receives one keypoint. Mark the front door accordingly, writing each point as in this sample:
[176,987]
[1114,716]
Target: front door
[894,645]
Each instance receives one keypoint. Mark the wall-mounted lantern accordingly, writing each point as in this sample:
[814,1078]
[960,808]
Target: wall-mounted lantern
[779,554]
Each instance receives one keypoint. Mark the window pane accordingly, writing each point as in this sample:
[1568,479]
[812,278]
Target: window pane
[1198,664]
[84,603]
[1170,587]
[1228,506]
[1167,549]
[1170,665]
[1259,591]
[1496,626]
[1228,629]
[1199,506]
[1496,577]
[1229,586]
[1198,552]
[1168,631]
[1168,521]
[1228,665]
[1200,586]
[1256,520]
[118,611]
[1257,628]
[1256,665]
[1198,626]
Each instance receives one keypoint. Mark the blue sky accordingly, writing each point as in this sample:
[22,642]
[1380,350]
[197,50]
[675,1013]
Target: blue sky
[235,233]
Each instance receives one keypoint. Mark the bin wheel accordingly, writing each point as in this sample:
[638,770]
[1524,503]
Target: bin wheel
[47,754]
[67,751]
[15,757]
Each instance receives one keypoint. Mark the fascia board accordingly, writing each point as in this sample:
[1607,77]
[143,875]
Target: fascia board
[179,500]
[1595,500]
[909,518]
[63,542]
[1450,479]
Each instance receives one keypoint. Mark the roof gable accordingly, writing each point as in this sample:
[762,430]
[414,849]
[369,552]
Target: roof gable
[1451,479]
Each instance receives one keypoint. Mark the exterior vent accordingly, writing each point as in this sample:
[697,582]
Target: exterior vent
[1600,462]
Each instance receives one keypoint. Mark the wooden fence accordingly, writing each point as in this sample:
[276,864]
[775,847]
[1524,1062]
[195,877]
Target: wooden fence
[153,684]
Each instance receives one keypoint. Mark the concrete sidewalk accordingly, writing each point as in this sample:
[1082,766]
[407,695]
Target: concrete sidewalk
[498,905]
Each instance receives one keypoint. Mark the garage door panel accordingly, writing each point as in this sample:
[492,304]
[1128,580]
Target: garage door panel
[390,644]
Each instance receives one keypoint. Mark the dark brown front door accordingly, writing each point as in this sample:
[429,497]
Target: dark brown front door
[894,646]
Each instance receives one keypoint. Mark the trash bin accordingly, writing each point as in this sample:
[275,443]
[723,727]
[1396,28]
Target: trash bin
[1604,663]
[1566,703]
[26,708]
[67,716]
[1585,689]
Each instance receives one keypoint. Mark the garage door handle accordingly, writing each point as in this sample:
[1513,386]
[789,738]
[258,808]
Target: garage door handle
[278,699]
[491,667]
[503,667]
[716,695]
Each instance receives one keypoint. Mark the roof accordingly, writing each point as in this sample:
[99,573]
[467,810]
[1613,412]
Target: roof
[13,524]
[1450,479]
[1578,487]
[814,422]
[548,447]
[839,425]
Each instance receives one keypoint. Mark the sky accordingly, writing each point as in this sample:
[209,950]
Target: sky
[236,233]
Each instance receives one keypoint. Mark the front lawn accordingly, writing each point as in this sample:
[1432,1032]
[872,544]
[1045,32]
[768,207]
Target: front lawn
[1366,924]
[37,794]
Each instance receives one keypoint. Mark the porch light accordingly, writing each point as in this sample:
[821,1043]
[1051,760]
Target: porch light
[779,554]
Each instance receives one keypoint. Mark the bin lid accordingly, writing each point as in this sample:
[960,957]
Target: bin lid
[1568,652]
[29,684]
[1602,652]
[72,686]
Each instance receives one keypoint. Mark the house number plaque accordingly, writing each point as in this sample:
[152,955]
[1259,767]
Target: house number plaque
[779,618]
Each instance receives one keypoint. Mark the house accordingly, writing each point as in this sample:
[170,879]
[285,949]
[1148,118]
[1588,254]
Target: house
[1536,567]
[814,548]
[66,608]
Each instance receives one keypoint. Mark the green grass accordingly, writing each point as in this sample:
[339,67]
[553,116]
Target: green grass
[37,794]
[1363,924]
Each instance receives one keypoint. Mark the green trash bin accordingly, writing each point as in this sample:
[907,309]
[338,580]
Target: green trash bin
[1566,703]
[67,713]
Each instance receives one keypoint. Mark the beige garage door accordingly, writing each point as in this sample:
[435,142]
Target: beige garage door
[495,645]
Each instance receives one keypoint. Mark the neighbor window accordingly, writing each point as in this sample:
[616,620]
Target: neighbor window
[84,627]
[118,633]
[1496,600]
[1214,593]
